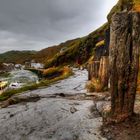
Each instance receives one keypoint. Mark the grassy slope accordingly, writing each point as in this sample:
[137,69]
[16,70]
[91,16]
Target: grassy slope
[41,56]
[80,50]
[48,53]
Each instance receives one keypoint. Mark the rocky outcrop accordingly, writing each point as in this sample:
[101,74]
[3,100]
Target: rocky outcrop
[124,63]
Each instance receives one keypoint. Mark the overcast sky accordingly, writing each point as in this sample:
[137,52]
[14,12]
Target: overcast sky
[37,24]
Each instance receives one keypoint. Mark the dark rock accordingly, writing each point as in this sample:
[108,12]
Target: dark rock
[73,110]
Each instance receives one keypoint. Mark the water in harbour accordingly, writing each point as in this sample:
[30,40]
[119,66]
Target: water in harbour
[21,76]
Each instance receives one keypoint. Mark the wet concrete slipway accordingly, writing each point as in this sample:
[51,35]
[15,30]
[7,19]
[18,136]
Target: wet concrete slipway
[59,112]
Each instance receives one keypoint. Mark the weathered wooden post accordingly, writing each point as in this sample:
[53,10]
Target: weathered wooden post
[93,70]
[103,71]
[124,63]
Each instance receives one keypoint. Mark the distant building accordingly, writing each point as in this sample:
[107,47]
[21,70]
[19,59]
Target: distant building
[18,66]
[34,64]
[37,65]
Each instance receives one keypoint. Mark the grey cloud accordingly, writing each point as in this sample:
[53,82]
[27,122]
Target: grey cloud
[34,23]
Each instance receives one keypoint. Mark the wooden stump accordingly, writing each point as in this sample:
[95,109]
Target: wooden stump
[93,70]
[103,71]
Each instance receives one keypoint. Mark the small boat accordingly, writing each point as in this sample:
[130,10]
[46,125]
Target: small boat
[15,85]
[3,84]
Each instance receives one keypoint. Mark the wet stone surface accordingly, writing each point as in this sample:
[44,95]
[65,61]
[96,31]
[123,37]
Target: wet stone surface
[53,118]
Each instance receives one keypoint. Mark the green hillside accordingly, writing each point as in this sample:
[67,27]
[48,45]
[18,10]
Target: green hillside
[48,53]
[16,56]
